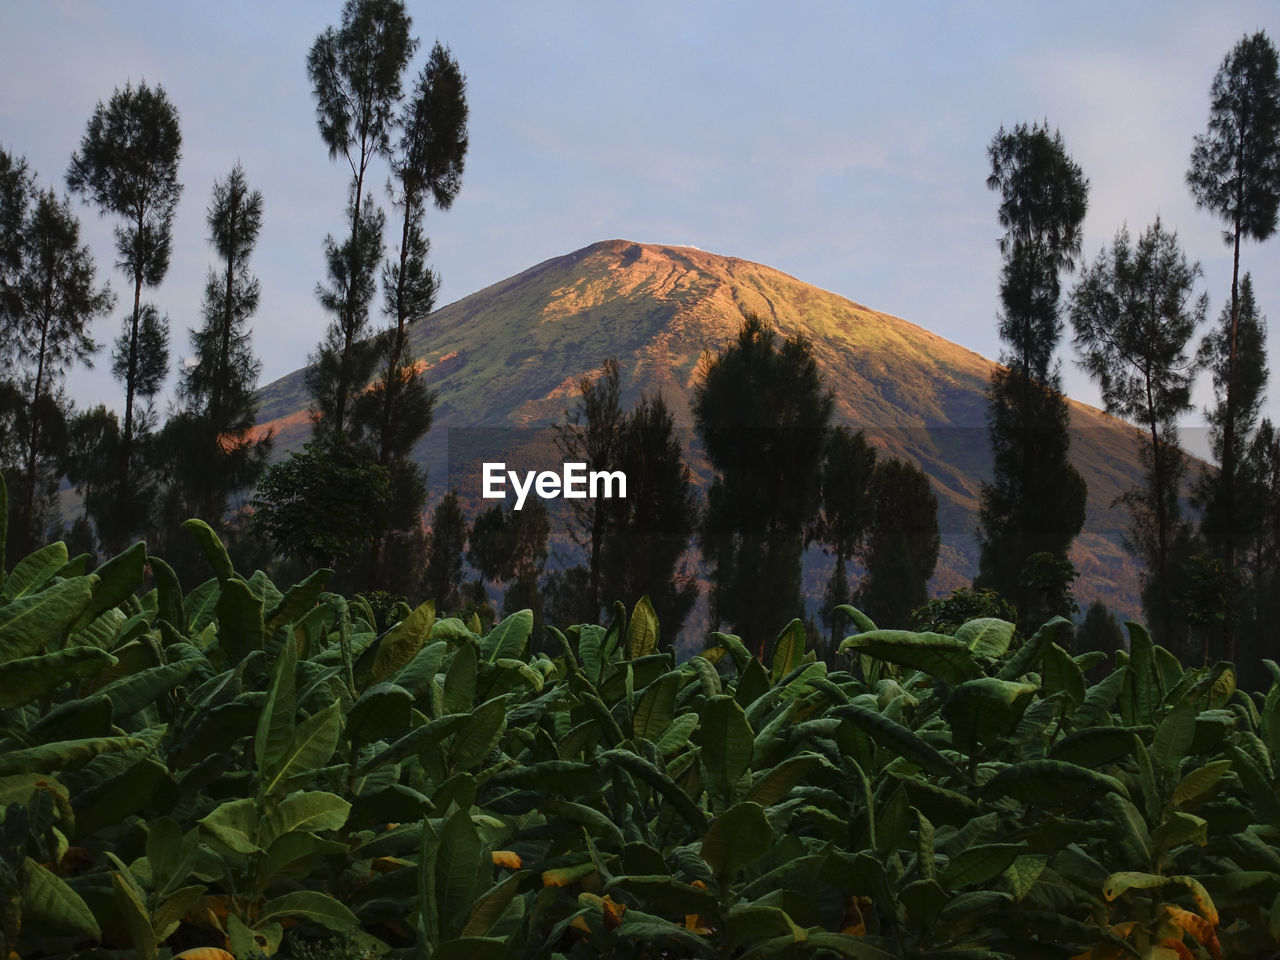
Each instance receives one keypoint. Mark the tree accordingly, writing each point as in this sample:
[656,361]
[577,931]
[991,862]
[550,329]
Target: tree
[355,76]
[1035,500]
[323,504]
[212,447]
[648,531]
[762,413]
[1258,502]
[902,544]
[445,544]
[1134,312]
[843,516]
[127,165]
[51,298]
[1235,173]
[590,435]
[93,448]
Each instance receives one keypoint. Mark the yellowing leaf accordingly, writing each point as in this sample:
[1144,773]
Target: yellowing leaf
[507,858]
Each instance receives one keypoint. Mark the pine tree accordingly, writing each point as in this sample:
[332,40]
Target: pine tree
[48,300]
[1235,173]
[1134,313]
[210,442]
[902,544]
[762,413]
[843,517]
[1035,500]
[127,165]
[355,76]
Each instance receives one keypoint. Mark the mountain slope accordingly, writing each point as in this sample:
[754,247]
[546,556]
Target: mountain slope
[506,361]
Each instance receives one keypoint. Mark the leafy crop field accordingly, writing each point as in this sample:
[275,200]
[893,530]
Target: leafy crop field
[259,770]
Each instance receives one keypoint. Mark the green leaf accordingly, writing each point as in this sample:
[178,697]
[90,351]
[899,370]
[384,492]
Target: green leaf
[312,810]
[457,863]
[47,898]
[1097,746]
[62,755]
[1029,654]
[986,636]
[727,743]
[510,637]
[677,735]
[656,709]
[29,624]
[34,570]
[941,656]
[642,630]
[1098,699]
[276,723]
[130,694]
[460,680]
[1051,782]
[133,912]
[1061,674]
[983,710]
[777,782]
[670,790]
[860,619]
[117,579]
[978,864]
[1199,781]
[239,615]
[788,650]
[898,739]
[420,738]
[479,734]
[30,678]
[297,601]
[1174,735]
[737,837]
[169,593]
[402,642]
[309,905]
[312,748]
[112,800]
[235,825]
[382,713]
[1177,829]
[212,548]
[1142,686]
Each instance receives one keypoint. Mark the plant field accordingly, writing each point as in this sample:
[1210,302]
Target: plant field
[264,771]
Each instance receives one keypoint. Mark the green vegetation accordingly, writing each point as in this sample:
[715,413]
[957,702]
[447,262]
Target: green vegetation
[268,771]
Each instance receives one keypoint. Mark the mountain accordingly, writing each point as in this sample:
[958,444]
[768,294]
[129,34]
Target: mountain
[506,361]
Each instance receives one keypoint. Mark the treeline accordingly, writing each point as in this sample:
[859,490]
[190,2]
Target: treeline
[1212,559]
[784,479]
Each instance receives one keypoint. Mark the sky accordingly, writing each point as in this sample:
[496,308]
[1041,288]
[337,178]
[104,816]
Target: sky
[843,143]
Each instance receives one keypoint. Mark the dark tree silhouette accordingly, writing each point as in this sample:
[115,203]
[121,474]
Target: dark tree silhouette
[843,517]
[762,412]
[127,165]
[902,543]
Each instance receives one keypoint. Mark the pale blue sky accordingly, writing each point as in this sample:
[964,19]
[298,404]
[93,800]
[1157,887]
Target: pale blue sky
[843,143]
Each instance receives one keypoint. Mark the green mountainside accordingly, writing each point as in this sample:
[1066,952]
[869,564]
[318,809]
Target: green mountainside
[507,358]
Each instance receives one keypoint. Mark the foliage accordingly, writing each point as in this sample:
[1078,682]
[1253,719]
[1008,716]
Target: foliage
[762,413]
[648,532]
[127,164]
[253,770]
[49,299]
[1035,500]
[445,544]
[902,544]
[844,514]
[1235,173]
[1134,315]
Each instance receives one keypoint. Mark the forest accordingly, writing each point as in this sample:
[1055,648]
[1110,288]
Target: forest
[436,742]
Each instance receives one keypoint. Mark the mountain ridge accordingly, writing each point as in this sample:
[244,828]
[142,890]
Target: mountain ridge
[508,358]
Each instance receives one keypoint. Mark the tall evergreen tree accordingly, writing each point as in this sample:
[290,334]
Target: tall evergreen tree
[590,435]
[1134,312]
[355,75]
[127,165]
[55,300]
[210,445]
[843,517]
[902,544]
[1235,173]
[762,412]
[1035,500]
[650,529]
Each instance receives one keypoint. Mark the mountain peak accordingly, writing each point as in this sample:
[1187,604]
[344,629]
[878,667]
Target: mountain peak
[509,357]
